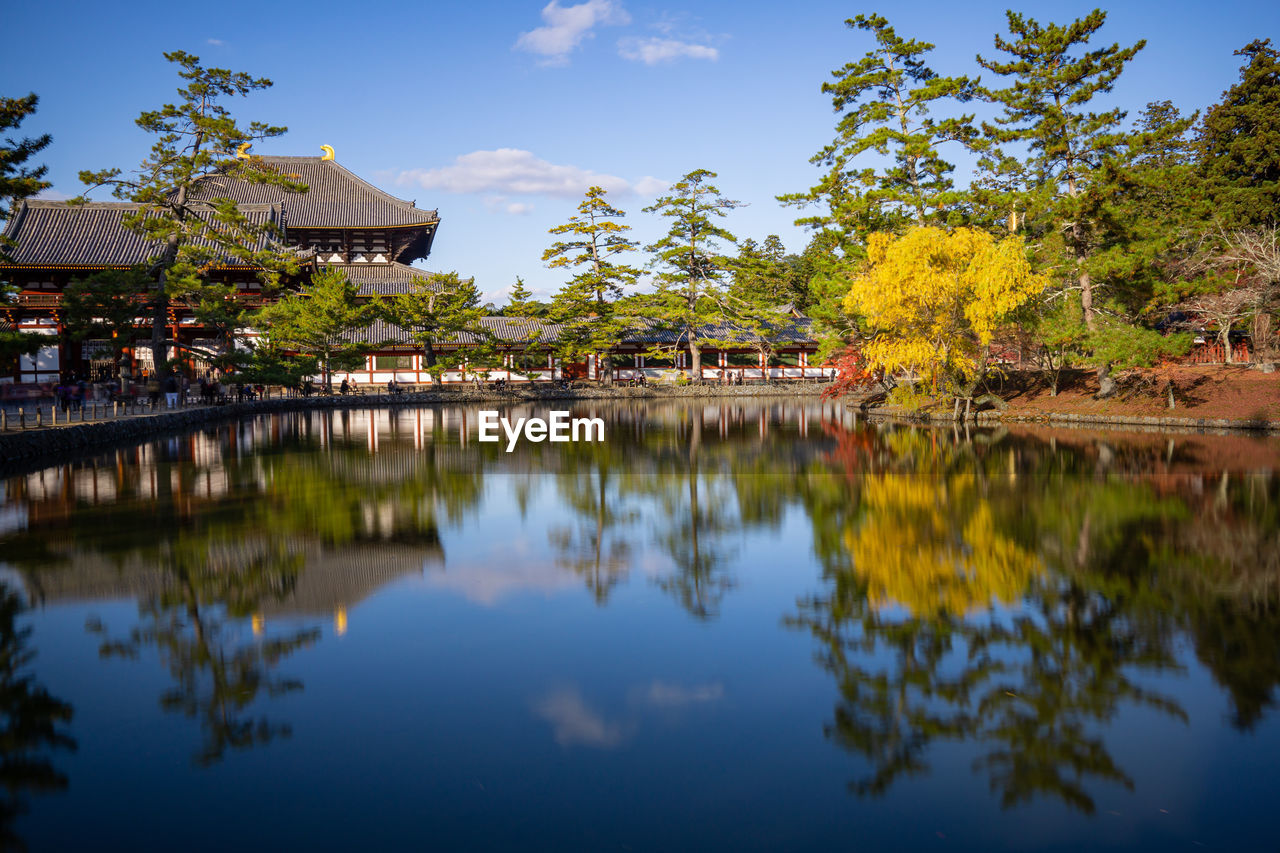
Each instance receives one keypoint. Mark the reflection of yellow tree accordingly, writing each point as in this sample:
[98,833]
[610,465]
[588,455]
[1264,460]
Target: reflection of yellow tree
[933,546]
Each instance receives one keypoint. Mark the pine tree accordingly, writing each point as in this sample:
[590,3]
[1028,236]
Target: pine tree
[18,181]
[596,239]
[177,185]
[321,320]
[1068,146]
[590,325]
[690,292]
[884,100]
[1240,141]
[521,302]
[765,272]
[441,309]
[824,278]
[1162,212]
[525,314]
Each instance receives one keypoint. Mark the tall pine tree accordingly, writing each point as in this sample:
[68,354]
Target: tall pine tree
[18,181]
[691,266]
[1068,147]
[1240,142]
[177,186]
[594,242]
[885,101]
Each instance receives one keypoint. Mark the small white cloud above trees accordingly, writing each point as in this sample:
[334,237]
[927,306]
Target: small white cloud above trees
[513,171]
[565,28]
[502,204]
[654,50]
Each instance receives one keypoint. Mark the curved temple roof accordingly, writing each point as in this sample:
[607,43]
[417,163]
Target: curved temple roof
[61,235]
[335,197]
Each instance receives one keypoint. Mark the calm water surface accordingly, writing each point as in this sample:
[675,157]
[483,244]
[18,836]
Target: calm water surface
[728,627]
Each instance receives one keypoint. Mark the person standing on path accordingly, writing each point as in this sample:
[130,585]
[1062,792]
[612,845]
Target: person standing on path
[171,386]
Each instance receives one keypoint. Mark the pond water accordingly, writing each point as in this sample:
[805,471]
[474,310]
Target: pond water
[726,627]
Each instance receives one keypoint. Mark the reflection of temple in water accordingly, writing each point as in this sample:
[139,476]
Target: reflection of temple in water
[331,581]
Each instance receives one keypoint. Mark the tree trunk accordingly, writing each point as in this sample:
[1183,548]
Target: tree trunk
[1106,384]
[1224,337]
[695,353]
[1086,299]
[429,360]
[1261,334]
[159,320]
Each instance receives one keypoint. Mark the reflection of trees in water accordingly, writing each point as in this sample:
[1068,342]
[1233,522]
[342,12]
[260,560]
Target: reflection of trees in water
[1100,563]
[596,547]
[207,562]
[196,626]
[1226,563]
[31,724]
[1091,578]
[695,513]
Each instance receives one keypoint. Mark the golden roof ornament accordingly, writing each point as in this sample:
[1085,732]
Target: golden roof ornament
[328,152]
[242,152]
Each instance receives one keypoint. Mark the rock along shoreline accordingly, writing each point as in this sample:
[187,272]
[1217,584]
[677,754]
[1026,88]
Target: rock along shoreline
[1148,422]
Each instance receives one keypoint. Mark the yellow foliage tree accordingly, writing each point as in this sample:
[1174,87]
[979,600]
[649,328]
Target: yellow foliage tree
[933,298]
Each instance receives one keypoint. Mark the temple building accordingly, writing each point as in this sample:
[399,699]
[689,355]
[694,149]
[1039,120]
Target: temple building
[342,221]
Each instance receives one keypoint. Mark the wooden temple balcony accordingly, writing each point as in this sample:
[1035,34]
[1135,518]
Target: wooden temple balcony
[36,300]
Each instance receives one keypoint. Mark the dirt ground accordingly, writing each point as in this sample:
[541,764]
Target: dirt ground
[1200,391]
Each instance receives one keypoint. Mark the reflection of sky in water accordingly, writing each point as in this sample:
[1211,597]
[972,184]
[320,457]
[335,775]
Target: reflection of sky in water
[501,664]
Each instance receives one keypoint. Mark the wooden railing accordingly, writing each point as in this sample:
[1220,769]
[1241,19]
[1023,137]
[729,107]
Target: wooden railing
[54,300]
[36,300]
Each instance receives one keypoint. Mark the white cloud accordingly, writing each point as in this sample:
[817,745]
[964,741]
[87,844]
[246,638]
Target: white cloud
[215,42]
[662,695]
[652,51]
[51,195]
[573,723]
[512,171]
[650,186]
[567,26]
[501,204]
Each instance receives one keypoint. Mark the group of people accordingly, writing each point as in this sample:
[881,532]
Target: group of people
[215,389]
[74,393]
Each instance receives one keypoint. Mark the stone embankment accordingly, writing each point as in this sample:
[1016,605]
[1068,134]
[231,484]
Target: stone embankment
[21,448]
[995,418]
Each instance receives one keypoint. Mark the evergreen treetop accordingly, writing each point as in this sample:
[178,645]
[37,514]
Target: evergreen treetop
[885,100]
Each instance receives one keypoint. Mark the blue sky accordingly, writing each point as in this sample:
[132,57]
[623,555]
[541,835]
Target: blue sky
[499,114]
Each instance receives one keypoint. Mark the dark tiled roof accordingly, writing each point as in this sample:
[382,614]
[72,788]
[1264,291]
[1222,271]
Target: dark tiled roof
[505,329]
[335,197]
[382,279]
[516,329]
[512,330]
[54,233]
[650,333]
